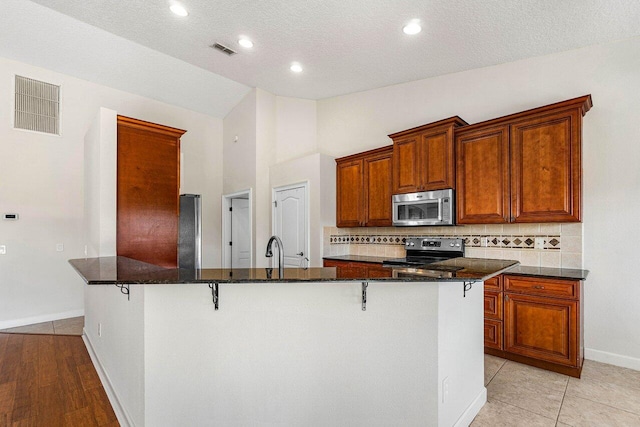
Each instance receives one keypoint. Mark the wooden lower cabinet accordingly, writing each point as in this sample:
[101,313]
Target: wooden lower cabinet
[541,324]
[493,334]
[358,270]
[542,328]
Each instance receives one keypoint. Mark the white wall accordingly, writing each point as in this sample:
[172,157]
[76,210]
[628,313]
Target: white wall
[611,73]
[296,128]
[272,131]
[41,178]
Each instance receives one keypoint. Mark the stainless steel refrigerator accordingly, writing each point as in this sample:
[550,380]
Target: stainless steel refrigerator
[190,232]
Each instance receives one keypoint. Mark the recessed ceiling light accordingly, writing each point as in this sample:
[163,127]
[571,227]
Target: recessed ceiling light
[296,68]
[178,9]
[412,27]
[245,42]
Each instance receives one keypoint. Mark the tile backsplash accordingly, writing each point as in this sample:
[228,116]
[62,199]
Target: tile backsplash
[561,244]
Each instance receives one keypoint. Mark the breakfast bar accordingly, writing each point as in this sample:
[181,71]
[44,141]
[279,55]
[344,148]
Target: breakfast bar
[308,348]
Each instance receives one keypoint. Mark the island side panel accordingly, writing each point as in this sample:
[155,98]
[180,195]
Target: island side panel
[119,347]
[461,388]
[292,354]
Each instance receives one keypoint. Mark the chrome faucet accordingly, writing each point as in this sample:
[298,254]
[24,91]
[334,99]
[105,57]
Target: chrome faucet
[269,254]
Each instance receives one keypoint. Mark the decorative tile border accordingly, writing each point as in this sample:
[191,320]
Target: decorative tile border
[502,241]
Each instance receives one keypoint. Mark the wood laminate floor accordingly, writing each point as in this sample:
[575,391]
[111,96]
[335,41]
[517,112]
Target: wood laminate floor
[49,380]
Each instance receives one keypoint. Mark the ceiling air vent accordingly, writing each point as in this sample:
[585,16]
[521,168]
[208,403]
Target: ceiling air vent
[37,106]
[223,49]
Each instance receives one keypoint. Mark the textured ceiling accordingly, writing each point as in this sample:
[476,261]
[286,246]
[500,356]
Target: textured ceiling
[355,45]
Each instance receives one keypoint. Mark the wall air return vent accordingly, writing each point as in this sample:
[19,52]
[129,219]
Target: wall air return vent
[223,49]
[37,106]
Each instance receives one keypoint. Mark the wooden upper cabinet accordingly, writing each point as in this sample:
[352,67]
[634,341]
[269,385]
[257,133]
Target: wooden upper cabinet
[350,201]
[424,157]
[546,168]
[526,167]
[483,176]
[148,185]
[377,189]
[406,176]
[363,189]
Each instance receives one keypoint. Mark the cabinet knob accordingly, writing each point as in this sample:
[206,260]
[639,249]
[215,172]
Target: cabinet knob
[537,287]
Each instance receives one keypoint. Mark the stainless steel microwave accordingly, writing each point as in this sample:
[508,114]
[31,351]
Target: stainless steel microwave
[426,208]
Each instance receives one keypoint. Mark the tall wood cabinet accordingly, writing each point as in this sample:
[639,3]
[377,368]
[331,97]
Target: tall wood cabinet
[363,189]
[148,185]
[526,167]
[424,157]
[540,323]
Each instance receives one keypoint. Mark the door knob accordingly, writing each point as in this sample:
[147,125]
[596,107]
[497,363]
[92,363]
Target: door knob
[300,253]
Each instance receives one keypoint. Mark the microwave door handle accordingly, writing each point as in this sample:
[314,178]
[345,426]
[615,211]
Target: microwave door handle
[440,209]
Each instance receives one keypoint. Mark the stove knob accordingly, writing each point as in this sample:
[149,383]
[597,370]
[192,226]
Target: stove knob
[451,244]
[411,244]
[458,244]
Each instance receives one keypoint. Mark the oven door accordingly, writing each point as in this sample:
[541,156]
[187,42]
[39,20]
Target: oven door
[427,208]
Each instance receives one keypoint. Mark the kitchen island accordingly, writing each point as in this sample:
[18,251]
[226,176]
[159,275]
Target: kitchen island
[310,348]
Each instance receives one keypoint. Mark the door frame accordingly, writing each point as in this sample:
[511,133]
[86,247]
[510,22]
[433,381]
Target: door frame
[307,219]
[226,225]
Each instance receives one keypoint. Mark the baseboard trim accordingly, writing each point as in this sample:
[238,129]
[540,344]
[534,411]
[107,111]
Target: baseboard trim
[121,414]
[6,324]
[612,358]
[472,410]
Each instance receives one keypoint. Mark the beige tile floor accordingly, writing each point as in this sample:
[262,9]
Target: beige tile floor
[520,395]
[517,395]
[72,326]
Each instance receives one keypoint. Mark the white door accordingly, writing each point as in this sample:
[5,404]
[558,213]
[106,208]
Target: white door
[240,234]
[290,224]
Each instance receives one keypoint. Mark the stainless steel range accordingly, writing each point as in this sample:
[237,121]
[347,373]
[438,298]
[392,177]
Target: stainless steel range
[422,251]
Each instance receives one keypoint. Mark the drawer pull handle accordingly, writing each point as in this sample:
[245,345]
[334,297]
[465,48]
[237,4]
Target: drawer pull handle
[538,287]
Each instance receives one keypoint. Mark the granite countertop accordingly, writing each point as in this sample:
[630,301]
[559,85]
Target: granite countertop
[122,270]
[520,270]
[358,258]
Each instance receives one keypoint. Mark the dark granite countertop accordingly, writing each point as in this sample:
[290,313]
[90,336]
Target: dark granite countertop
[520,270]
[553,273]
[121,270]
[358,258]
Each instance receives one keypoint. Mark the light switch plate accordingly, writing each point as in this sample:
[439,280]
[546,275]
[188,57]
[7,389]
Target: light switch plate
[3,250]
[59,247]
[539,243]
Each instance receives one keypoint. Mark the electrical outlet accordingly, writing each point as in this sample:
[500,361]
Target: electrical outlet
[445,389]
[3,250]
[484,242]
[59,247]
[99,329]
[539,243]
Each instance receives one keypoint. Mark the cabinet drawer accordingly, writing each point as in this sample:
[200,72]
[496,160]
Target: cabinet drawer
[493,334]
[544,287]
[493,305]
[493,284]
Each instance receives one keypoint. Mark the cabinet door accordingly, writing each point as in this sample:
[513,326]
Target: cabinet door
[377,190]
[350,198]
[546,168]
[493,334]
[406,176]
[436,164]
[493,305]
[378,271]
[542,328]
[148,181]
[482,176]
